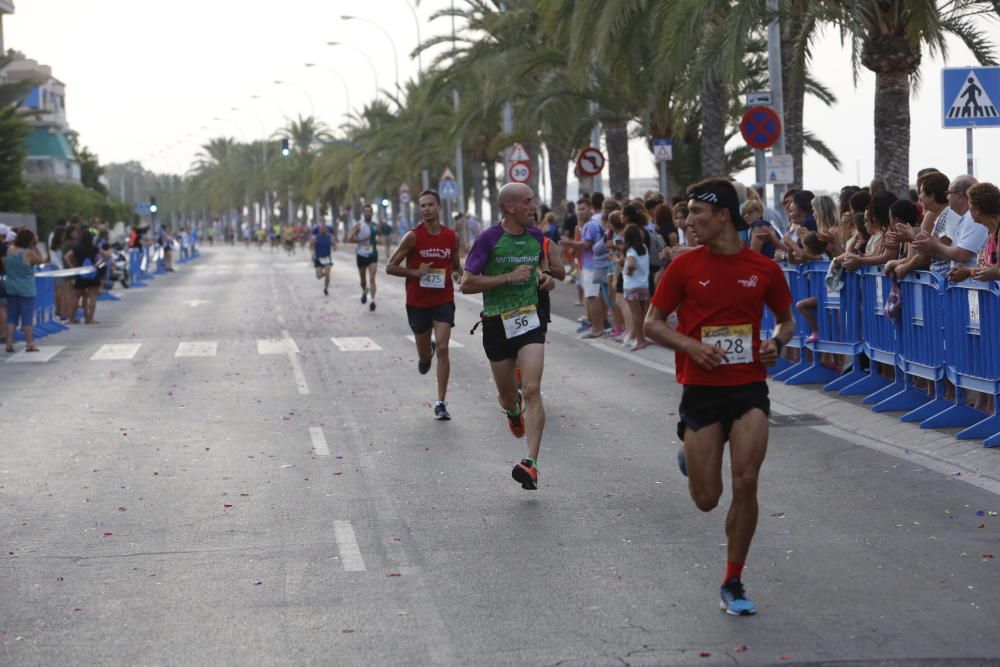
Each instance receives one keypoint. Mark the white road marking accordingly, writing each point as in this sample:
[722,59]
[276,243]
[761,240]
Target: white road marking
[451,342]
[45,353]
[293,359]
[196,348]
[356,344]
[320,447]
[116,352]
[347,545]
[276,346]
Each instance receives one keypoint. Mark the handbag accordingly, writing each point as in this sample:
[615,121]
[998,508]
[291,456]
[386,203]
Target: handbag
[893,306]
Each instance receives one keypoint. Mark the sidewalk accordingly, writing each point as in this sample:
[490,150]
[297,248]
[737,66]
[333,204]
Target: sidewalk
[844,418]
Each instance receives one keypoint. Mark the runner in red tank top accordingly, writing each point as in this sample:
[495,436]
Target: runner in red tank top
[719,292]
[430,251]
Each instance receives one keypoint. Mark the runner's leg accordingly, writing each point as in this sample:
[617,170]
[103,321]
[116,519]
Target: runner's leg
[747,448]
[326,277]
[503,376]
[363,272]
[442,336]
[372,272]
[531,360]
[423,341]
[703,451]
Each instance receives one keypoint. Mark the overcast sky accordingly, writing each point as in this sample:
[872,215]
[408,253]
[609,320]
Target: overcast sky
[146,78]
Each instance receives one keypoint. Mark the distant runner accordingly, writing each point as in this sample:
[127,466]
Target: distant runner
[365,234]
[505,265]
[322,243]
[719,291]
[431,254]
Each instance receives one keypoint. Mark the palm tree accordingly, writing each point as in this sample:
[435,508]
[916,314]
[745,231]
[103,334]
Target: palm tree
[887,38]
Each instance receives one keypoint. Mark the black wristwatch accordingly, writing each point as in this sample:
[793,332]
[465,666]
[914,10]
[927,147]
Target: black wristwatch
[778,344]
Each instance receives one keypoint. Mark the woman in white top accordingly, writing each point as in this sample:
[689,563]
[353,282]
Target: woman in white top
[635,278]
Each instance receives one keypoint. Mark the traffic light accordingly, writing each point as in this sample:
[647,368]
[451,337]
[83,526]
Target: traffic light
[152,205]
[285,150]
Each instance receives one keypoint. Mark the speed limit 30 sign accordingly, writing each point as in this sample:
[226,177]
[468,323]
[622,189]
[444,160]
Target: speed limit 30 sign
[519,172]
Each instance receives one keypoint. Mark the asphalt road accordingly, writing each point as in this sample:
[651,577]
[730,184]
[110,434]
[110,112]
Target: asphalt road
[267,498]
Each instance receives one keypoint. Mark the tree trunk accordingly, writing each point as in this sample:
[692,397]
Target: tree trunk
[477,187]
[491,189]
[793,85]
[533,152]
[892,130]
[713,127]
[558,171]
[616,136]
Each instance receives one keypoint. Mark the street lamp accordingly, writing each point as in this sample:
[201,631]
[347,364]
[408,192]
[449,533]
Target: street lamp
[416,21]
[343,82]
[312,107]
[272,101]
[370,63]
[392,42]
[266,208]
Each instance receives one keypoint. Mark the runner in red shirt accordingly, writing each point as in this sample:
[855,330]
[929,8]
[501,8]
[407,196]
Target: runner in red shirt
[719,291]
[431,253]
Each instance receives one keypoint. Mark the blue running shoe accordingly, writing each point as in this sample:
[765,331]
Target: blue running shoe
[682,462]
[583,326]
[734,600]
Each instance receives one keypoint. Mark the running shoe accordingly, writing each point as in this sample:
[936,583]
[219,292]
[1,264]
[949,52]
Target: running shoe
[813,338]
[424,366]
[516,424]
[734,599]
[682,462]
[525,474]
[583,326]
[326,292]
[364,296]
[441,412]
[371,306]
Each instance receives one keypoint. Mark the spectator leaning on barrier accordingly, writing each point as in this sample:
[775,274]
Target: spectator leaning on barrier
[881,246]
[87,287]
[764,237]
[22,258]
[961,242]
[984,206]
[932,188]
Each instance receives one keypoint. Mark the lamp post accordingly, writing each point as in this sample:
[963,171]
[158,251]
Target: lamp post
[312,107]
[343,82]
[416,22]
[266,212]
[366,57]
[392,42]
[272,101]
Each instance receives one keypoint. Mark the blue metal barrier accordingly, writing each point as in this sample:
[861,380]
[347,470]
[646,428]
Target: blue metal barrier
[767,327]
[812,280]
[135,267]
[972,312]
[878,333]
[799,289]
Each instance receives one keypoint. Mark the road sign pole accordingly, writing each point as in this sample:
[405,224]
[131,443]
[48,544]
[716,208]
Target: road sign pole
[777,88]
[662,165]
[760,167]
[595,140]
[970,166]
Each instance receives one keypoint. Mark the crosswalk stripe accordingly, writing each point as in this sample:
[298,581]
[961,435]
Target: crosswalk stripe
[116,352]
[356,344]
[318,441]
[45,353]
[347,545]
[451,342]
[276,346]
[196,348]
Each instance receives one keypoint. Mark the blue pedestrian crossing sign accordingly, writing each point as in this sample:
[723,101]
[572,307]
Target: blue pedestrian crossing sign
[969,96]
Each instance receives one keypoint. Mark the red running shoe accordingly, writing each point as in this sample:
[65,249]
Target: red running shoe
[526,475]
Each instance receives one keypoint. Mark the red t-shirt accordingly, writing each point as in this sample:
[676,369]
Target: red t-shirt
[722,291]
[436,250]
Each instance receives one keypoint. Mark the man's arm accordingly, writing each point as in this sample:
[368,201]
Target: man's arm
[783,334]
[932,246]
[556,268]
[456,267]
[474,283]
[656,328]
[395,266]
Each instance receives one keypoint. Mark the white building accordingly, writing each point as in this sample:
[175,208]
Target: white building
[50,156]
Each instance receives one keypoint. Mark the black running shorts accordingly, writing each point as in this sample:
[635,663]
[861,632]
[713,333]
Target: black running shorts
[422,319]
[497,345]
[365,261]
[703,405]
